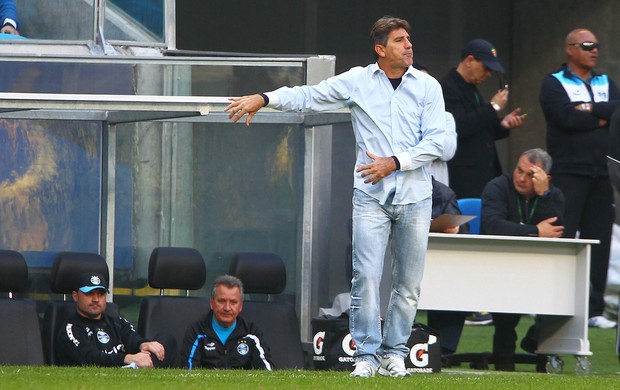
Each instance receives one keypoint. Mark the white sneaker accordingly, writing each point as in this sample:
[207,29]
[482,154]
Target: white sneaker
[364,369]
[393,366]
[601,322]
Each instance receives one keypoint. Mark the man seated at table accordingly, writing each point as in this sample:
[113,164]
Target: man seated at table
[523,203]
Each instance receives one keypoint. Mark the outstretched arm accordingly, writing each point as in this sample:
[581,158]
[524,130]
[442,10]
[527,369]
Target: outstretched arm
[245,105]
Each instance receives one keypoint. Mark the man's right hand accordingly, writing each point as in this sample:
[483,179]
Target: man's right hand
[141,359]
[501,98]
[244,105]
[546,229]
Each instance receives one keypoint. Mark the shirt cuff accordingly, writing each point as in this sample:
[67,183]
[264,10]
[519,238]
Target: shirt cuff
[273,99]
[405,161]
[11,22]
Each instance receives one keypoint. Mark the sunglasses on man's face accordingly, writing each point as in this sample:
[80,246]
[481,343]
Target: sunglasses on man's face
[586,46]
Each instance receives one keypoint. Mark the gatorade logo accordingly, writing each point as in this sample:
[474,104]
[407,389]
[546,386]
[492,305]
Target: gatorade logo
[419,352]
[317,343]
[348,346]
[419,355]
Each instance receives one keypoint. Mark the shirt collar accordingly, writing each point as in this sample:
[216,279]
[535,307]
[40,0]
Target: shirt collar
[410,70]
[568,73]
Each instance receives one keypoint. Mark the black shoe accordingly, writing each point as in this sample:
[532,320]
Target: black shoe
[504,364]
[529,344]
[541,363]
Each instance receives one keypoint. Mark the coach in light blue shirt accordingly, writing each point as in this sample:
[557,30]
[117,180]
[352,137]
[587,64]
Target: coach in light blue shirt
[399,121]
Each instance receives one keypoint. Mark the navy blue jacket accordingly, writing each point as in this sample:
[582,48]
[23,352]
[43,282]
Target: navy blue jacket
[575,140]
[7,10]
[103,342]
[245,347]
[477,127]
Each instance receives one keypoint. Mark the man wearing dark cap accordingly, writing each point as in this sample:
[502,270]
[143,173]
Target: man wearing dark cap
[92,337]
[478,123]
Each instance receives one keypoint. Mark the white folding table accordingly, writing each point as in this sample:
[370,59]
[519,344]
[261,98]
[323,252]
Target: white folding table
[511,274]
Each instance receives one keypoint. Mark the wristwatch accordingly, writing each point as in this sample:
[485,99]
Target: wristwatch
[495,106]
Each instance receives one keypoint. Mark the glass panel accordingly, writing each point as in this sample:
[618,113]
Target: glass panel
[135,20]
[73,20]
[70,20]
[62,77]
[149,78]
[49,191]
[219,188]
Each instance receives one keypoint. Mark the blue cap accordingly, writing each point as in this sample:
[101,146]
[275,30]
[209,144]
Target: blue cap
[483,51]
[90,281]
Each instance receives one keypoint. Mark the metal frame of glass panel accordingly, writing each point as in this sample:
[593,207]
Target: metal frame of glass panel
[100,25]
[155,103]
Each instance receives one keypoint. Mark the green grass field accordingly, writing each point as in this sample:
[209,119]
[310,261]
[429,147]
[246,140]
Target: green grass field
[605,373]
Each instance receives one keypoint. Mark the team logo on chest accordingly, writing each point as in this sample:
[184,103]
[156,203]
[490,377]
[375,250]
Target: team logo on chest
[242,348]
[103,337]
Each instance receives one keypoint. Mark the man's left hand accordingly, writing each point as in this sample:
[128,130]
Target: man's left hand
[155,348]
[379,168]
[513,119]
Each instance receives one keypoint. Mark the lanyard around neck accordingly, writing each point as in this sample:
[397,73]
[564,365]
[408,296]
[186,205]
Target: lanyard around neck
[532,210]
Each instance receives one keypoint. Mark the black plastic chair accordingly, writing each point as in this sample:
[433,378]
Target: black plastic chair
[265,273]
[20,333]
[173,268]
[67,268]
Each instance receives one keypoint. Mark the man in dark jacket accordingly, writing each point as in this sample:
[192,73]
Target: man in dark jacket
[578,104]
[223,339]
[523,203]
[478,123]
[91,337]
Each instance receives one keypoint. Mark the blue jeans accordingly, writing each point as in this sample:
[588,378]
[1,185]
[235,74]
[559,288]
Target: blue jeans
[373,224]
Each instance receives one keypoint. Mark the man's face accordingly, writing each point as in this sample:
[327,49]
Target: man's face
[478,71]
[398,51]
[522,177]
[91,304]
[226,305]
[579,57]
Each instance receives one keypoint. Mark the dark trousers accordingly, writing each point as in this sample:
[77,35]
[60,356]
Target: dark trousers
[589,210]
[170,347]
[449,324]
[505,335]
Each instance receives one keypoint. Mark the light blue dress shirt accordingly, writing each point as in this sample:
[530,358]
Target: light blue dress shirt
[407,122]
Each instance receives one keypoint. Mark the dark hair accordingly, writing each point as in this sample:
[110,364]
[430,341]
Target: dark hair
[537,155]
[228,281]
[382,28]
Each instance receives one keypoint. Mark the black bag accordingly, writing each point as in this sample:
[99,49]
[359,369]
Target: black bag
[332,344]
[425,350]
